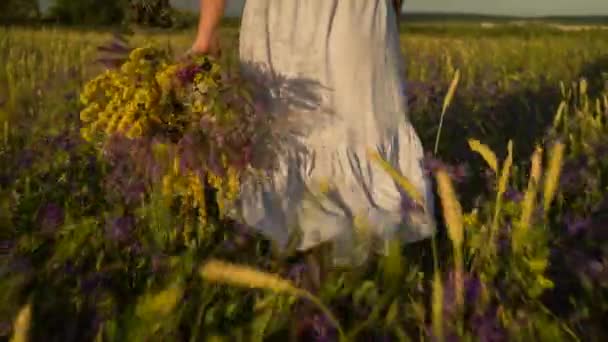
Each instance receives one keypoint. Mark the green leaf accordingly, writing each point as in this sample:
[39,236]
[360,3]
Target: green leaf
[158,305]
[393,312]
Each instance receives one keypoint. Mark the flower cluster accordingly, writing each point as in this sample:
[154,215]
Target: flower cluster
[199,115]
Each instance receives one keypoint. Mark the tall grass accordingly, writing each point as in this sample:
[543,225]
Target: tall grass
[520,234]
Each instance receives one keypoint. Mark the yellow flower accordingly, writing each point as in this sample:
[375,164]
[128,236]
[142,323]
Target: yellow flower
[136,130]
[167,185]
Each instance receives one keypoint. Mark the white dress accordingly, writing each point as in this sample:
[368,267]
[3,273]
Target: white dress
[333,74]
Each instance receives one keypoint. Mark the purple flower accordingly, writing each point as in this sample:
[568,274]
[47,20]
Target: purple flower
[119,229]
[6,246]
[50,217]
[5,328]
[229,246]
[577,225]
[459,172]
[26,158]
[136,248]
[472,287]
[69,268]
[186,74]
[318,328]
[296,272]
[596,269]
[91,283]
[20,265]
[64,142]
[432,164]
[487,327]
[134,192]
[513,195]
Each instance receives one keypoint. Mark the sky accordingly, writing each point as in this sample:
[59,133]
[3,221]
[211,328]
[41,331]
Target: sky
[495,7]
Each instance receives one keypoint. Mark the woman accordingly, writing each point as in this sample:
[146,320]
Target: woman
[333,73]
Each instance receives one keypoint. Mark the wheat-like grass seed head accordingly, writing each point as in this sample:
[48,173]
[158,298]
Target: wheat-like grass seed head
[452,210]
[553,173]
[21,326]
[506,170]
[486,153]
[533,182]
[437,306]
[244,276]
[403,182]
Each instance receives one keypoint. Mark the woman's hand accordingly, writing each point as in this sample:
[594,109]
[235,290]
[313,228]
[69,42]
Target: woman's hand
[206,46]
[207,41]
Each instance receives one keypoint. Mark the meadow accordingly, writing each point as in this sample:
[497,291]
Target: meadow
[517,148]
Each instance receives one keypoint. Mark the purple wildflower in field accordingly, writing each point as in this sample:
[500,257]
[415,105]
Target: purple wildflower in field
[571,175]
[513,195]
[26,159]
[93,282]
[598,270]
[487,327]
[575,226]
[120,229]
[20,265]
[136,248]
[504,237]
[5,328]
[50,217]
[6,246]
[317,328]
[69,268]
[431,164]
[492,88]
[134,192]
[472,287]
[65,142]
[297,272]
[229,246]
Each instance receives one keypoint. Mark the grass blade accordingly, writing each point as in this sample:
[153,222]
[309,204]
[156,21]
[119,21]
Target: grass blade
[446,103]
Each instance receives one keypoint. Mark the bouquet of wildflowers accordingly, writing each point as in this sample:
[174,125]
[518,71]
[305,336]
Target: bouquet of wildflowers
[193,115]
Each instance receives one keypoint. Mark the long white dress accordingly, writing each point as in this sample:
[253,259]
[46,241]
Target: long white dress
[333,73]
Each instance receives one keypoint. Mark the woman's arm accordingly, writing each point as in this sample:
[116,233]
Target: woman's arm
[397,5]
[211,12]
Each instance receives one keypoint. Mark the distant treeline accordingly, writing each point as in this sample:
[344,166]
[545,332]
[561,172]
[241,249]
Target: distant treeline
[466,17]
[159,13]
[153,13]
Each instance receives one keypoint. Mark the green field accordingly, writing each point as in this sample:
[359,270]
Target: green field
[532,264]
